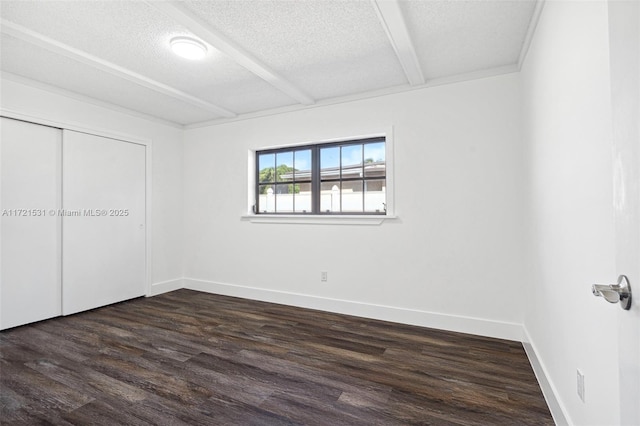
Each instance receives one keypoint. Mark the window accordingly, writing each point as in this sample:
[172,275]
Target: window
[347,177]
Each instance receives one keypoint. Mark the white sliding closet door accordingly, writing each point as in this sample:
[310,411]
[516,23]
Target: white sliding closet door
[103,232]
[30,231]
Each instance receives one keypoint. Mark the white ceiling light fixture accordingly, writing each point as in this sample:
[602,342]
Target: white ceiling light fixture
[188,48]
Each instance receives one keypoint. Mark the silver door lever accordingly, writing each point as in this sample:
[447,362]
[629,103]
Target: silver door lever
[614,293]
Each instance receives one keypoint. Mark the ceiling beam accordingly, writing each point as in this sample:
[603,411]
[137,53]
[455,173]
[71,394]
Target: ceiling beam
[533,23]
[392,21]
[32,37]
[198,27]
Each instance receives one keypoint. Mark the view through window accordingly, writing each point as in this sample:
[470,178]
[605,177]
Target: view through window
[347,177]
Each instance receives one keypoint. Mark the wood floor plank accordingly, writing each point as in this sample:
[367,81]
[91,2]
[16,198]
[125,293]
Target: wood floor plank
[38,392]
[190,358]
[88,381]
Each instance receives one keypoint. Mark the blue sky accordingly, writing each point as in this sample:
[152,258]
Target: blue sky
[329,157]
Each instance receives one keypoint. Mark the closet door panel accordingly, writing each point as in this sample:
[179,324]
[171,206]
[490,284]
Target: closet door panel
[30,228]
[103,237]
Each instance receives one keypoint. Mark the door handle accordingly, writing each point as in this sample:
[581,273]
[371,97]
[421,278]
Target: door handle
[614,293]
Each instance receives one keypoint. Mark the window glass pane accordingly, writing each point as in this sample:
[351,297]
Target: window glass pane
[302,165]
[302,200]
[374,160]
[351,161]
[374,152]
[266,165]
[352,196]
[284,198]
[330,163]
[375,195]
[266,199]
[284,166]
[329,197]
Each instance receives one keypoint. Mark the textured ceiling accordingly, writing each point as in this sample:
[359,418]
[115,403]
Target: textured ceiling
[263,54]
[454,37]
[328,48]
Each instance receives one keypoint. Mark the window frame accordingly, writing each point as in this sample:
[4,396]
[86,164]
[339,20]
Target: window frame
[316,176]
[276,151]
[334,218]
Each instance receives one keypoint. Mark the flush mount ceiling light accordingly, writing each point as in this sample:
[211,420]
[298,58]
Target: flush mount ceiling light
[188,48]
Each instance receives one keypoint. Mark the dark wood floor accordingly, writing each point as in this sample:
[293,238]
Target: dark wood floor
[194,358]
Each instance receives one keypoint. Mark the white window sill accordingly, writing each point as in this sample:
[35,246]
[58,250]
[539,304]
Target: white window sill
[319,219]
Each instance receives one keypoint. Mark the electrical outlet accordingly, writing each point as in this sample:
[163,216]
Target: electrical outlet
[323,276]
[580,384]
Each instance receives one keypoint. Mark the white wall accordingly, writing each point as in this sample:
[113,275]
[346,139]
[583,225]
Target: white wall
[166,167]
[455,253]
[567,127]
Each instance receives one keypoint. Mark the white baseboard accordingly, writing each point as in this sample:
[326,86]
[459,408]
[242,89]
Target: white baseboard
[166,286]
[558,411]
[477,326]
